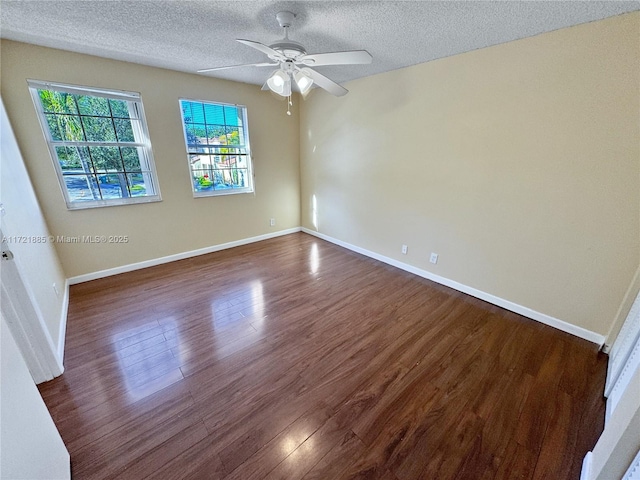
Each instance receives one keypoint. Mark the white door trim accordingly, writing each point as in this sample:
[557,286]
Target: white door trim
[26,322]
[623,346]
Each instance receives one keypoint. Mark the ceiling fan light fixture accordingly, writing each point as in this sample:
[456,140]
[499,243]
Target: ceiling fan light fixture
[280,83]
[303,81]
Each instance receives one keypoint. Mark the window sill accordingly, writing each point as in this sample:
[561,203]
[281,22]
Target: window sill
[112,203]
[220,193]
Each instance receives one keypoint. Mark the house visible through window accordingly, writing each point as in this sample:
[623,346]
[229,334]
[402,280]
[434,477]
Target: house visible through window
[217,147]
[99,142]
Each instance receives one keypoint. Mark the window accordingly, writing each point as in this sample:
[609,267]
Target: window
[99,143]
[217,147]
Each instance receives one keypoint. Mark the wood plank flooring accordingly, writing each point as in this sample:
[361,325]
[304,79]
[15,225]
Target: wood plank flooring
[293,358]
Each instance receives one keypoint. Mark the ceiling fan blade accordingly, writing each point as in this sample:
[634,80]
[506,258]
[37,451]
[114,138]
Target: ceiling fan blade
[326,83]
[237,66]
[263,48]
[353,57]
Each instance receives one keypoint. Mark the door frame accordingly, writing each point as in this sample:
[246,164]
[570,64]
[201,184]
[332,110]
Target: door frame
[23,316]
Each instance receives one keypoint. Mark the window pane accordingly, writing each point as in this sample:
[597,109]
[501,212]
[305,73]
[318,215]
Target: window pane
[220,180]
[65,127]
[241,161]
[230,115]
[113,185]
[54,127]
[215,131]
[131,159]
[238,177]
[106,159]
[201,161]
[74,160]
[241,139]
[223,161]
[214,114]
[90,105]
[119,108]
[193,132]
[200,131]
[186,111]
[69,159]
[213,136]
[202,180]
[124,130]
[225,178]
[139,185]
[98,129]
[82,188]
[57,102]
[197,113]
[233,135]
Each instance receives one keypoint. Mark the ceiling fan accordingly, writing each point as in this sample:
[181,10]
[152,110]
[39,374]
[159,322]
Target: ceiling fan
[293,63]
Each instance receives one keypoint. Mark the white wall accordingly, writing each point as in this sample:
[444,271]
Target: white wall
[23,218]
[30,445]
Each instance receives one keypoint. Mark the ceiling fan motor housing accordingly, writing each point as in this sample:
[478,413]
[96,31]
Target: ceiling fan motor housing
[289,48]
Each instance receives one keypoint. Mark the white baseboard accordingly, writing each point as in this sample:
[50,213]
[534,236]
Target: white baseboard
[178,256]
[501,302]
[62,332]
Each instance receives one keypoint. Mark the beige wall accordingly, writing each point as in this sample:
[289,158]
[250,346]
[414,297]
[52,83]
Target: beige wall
[179,223]
[518,164]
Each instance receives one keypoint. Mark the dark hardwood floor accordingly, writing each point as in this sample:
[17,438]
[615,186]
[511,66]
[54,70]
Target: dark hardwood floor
[293,358]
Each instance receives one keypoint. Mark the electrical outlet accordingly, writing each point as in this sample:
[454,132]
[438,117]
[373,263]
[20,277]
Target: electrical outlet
[404,249]
[272,222]
[433,258]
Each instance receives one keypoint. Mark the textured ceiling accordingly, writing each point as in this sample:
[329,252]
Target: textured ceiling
[190,35]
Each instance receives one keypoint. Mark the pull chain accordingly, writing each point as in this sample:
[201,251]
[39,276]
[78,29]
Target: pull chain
[289,104]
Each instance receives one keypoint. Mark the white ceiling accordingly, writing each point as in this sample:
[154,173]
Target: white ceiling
[190,35]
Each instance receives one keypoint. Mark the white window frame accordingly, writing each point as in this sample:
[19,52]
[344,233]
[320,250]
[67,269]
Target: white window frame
[140,132]
[249,159]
